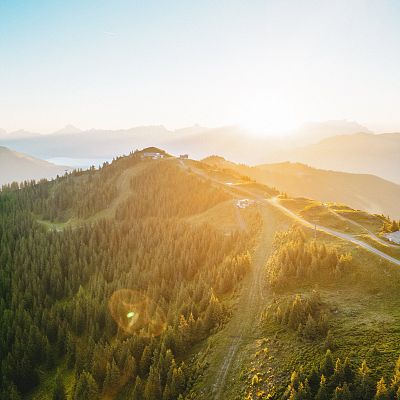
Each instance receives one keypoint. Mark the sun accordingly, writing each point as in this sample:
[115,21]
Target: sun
[270,114]
[271,124]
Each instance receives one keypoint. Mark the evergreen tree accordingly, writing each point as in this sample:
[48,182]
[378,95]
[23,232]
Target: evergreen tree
[327,366]
[145,361]
[153,385]
[86,388]
[314,380]
[113,376]
[304,392]
[348,374]
[322,393]
[381,391]
[138,389]
[364,383]
[395,383]
[395,226]
[59,389]
[130,368]
[342,393]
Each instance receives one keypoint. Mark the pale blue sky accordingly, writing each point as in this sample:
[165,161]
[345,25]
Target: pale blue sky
[267,65]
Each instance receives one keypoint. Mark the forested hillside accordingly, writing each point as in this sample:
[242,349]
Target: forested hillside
[105,286]
[143,279]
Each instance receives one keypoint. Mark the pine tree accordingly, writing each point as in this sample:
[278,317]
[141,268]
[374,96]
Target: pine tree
[138,389]
[145,361]
[394,227]
[86,388]
[314,380]
[166,393]
[363,382]
[153,385]
[381,390]
[113,376]
[304,392]
[322,393]
[130,368]
[213,313]
[395,383]
[10,393]
[338,376]
[59,389]
[327,367]
[342,393]
[348,374]
[294,381]
[177,382]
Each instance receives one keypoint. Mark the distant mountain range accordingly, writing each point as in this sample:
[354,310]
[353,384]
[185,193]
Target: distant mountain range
[360,153]
[360,191]
[313,132]
[336,145]
[20,167]
[95,143]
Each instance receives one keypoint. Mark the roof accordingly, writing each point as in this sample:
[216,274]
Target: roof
[393,236]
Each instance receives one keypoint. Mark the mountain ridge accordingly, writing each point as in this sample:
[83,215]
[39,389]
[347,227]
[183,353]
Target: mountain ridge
[18,167]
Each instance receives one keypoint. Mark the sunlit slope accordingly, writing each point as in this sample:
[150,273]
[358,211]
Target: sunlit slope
[345,293]
[255,359]
[360,191]
[349,307]
[121,271]
[190,247]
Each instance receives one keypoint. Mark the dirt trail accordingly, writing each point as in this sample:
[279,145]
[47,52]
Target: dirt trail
[232,338]
[239,217]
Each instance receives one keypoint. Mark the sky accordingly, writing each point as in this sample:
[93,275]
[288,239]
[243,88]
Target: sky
[266,65]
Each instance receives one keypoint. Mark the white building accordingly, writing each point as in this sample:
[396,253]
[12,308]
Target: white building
[393,237]
[153,156]
[244,203]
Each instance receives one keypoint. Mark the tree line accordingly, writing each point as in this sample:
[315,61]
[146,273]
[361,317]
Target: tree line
[342,380]
[56,285]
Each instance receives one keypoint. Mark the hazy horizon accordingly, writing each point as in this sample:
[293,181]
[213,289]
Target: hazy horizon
[71,128]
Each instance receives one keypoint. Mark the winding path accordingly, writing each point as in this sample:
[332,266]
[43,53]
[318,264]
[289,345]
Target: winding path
[368,232]
[226,355]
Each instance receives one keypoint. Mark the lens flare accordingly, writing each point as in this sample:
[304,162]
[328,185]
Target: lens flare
[136,313]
